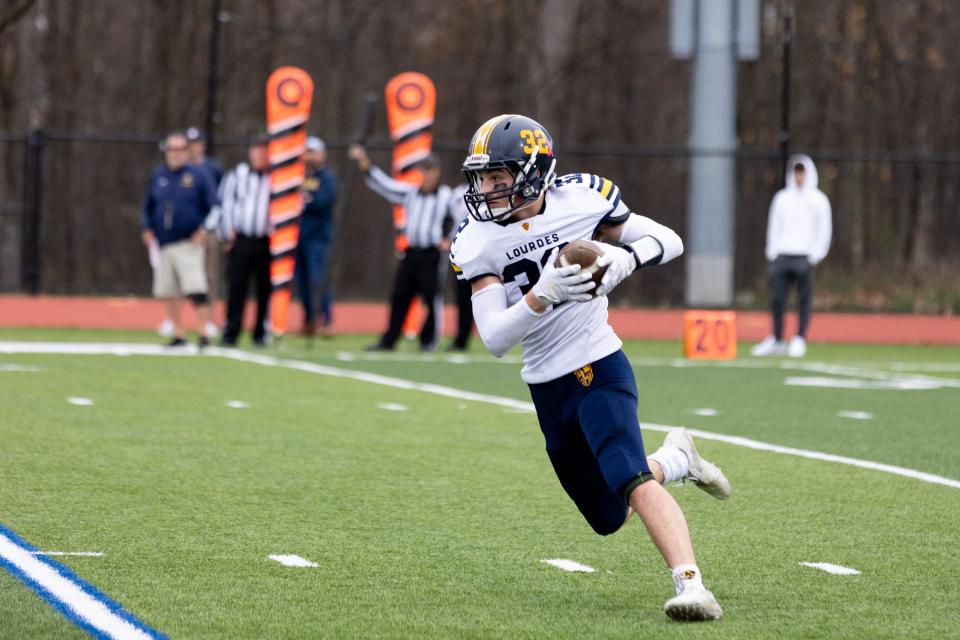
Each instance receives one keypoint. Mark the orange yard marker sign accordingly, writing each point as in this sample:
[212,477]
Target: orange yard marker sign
[411,100]
[289,95]
[709,335]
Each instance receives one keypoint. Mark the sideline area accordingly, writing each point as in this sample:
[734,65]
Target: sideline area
[371,318]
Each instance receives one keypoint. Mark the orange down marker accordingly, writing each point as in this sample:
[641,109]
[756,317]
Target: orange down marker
[709,335]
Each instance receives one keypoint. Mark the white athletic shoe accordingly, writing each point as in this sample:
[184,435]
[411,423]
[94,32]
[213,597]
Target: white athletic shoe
[797,347]
[166,328]
[770,346]
[212,330]
[705,475]
[693,604]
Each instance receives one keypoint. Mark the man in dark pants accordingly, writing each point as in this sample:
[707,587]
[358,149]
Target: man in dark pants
[798,238]
[428,225]
[788,271]
[316,226]
[244,227]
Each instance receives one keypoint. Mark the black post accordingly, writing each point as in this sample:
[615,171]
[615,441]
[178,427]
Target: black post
[214,62]
[32,202]
[785,92]
[360,134]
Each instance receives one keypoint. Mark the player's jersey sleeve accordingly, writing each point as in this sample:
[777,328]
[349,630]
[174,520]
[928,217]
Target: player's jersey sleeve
[602,193]
[466,252]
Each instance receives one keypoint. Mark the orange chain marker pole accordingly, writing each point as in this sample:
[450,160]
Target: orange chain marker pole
[289,95]
[411,101]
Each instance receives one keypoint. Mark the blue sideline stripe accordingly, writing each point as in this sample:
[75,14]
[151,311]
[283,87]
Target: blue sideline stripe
[115,607]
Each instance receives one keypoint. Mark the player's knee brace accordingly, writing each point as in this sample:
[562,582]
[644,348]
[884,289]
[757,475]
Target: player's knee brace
[197,299]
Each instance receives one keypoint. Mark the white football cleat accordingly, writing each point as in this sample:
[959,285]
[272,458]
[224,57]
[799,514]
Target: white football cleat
[797,347]
[769,346]
[705,475]
[693,604]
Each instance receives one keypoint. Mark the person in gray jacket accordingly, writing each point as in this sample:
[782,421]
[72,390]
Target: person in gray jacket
[799,229]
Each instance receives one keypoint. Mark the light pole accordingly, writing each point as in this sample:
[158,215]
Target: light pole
[785,91]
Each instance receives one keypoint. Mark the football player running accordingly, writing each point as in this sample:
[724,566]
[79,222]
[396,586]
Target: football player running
[581,382]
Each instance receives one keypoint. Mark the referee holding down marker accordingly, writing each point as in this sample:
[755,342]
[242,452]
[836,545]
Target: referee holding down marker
[429,223]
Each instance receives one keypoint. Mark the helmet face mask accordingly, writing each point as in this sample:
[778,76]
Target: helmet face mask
[519,146]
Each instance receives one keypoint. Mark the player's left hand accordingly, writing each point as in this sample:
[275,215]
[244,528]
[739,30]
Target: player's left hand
[619,262]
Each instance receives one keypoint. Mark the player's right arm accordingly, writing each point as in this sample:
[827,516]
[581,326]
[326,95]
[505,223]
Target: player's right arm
[502,327]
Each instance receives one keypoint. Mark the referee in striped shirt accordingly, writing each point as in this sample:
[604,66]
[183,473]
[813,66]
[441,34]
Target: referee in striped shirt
[243,224]
[428,225]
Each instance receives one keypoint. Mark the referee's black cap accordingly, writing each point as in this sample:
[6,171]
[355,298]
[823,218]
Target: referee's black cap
[430,161]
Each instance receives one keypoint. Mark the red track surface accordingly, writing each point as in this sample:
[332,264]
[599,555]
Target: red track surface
[359,317]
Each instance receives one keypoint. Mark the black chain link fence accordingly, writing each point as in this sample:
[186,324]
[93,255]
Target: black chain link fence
[70,213]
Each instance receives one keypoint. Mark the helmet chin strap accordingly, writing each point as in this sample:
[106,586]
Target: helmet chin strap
[522,207]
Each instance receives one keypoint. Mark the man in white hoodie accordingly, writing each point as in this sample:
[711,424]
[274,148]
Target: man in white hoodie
[799,229]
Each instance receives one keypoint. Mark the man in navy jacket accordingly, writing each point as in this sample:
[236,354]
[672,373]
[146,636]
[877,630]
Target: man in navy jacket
[316,229]
[178,201]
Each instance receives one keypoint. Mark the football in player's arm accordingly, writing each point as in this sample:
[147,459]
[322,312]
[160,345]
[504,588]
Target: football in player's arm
[581,383]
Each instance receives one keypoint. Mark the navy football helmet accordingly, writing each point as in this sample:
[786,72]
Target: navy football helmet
[521,146]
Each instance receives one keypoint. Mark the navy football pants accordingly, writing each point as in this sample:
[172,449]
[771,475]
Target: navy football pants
[593,438]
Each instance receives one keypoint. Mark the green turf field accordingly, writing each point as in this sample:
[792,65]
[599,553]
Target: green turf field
[428,515]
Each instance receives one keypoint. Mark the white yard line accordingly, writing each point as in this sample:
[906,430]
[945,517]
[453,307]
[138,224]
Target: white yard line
[453,358]
[824,382]
[813,455]
[569,565]
[918,381]
[24,368]
[856,415]
[94,348]
[832,568]
[79,602]
[291,560]
[89,554]
[399,383]
[858,370]
[392,406]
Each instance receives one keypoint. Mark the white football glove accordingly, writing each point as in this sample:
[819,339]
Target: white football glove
[559,284]
[620,263]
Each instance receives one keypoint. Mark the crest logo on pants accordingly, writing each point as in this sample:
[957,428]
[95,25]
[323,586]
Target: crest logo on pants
[584,375]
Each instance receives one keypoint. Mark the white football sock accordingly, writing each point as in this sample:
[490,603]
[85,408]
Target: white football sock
[674,463]
[687,575]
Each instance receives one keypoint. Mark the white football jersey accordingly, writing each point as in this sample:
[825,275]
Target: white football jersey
[571,334]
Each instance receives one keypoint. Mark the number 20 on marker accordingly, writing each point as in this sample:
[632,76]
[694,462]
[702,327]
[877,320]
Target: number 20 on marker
[709,335]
